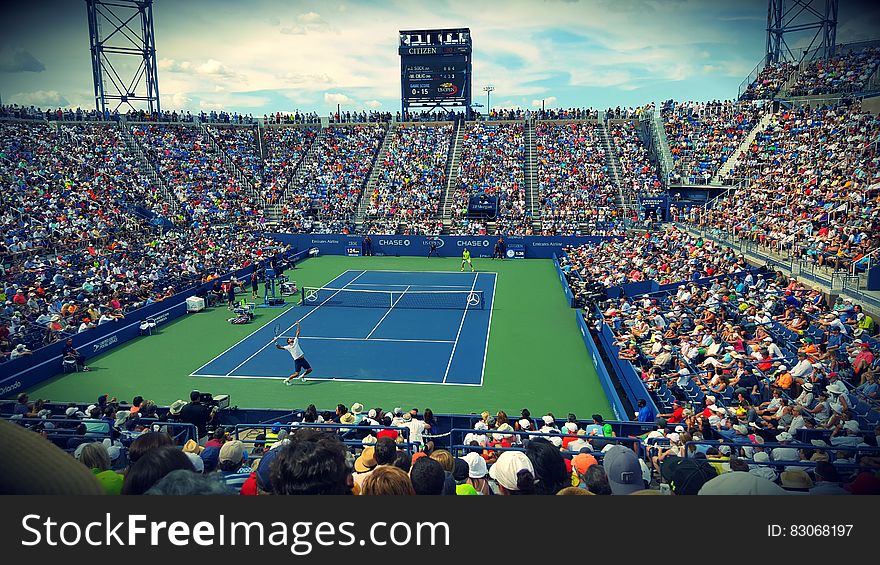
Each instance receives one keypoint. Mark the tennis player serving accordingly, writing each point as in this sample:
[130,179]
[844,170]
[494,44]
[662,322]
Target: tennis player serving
[299,358]
[466,258]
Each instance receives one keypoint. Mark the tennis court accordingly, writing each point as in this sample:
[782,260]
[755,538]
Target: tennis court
[377,326]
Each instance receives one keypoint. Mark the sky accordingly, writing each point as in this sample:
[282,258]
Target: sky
[260,56]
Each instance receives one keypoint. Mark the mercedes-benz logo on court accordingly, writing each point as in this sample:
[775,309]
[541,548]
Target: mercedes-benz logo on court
[473,299]
[311,295]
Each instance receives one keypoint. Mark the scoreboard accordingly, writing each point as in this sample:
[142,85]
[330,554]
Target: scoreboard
[435,68]
[428,78]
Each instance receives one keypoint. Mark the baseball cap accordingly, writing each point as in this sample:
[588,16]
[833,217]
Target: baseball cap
[690,475]
[263,480]
[583,461]
[623,470]
[232,451]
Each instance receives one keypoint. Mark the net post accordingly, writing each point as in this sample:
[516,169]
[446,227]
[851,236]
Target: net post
[302,295]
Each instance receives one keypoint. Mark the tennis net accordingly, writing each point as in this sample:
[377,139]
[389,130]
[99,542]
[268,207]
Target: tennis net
[415,299]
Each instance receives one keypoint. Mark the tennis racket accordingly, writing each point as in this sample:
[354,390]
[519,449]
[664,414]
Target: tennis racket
[277,331]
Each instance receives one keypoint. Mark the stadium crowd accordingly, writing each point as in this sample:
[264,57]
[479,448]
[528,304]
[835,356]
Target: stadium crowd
[844,73]
[703,135]
[638,174]
[324,197]
[769,80]
[666,257]
[132,449]
[196,175]
[286,147]
[492,163]
[756,358]
[407,194]
[574,185]
[811,193]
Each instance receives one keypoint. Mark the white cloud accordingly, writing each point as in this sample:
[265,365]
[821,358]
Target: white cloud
[176,101]
[305,23]
[40,98]
[204,105]
[211,67]
[373,104]
[549,101]
[337,98]
[310,18]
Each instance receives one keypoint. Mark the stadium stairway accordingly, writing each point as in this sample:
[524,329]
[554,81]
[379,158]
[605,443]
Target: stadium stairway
[297,177]
[451,174]
[658,131]
[373,179]
[148,168]
[743,148]
[237,172]
[531,175]
[785,89]
[612,163]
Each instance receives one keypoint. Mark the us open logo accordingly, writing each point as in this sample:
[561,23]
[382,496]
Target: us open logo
[437,241]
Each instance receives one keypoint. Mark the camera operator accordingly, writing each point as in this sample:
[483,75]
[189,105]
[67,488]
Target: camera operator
[198,413]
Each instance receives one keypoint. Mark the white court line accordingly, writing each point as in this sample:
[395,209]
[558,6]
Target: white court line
[386,313]
[488,329]
[417,272]
[228,349]
[461,325]
[334,380]
[274,340]
[381,339]
[415,286]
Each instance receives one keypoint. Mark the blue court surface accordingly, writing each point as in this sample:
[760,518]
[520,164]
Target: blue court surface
[411,327]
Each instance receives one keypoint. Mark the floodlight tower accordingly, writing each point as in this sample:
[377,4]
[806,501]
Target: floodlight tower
[121,34]
[795,17]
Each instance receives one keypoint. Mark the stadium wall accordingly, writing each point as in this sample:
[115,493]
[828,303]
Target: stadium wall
[562,280]
[531,247]
[26,372]
[601,372]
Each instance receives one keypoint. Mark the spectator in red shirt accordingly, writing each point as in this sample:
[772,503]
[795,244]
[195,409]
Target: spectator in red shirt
[386,421]
[677,414]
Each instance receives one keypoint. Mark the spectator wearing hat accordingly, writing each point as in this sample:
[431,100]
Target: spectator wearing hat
[622,468]
[477,473]
[70,354]
[796,481]
[677,414]
[689,475]
[513,474]
[580,464]
[784,452]
[460,475]
[19,351]
[821,411]
[740,484]
[364,465]
[232,465]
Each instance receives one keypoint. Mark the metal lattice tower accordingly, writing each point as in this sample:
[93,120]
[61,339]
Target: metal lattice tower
[120,31]
[796,17]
